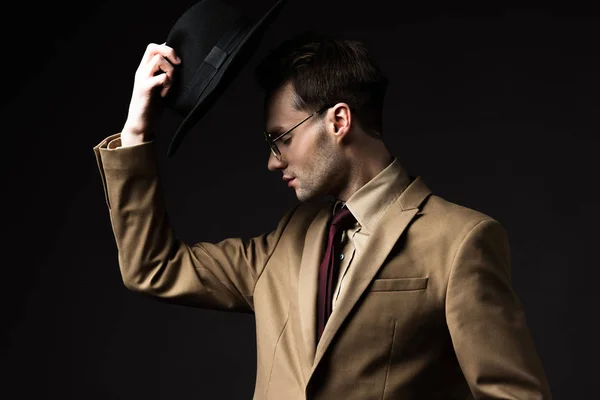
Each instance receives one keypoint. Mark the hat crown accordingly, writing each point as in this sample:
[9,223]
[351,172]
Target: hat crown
[193,37]
[214,41]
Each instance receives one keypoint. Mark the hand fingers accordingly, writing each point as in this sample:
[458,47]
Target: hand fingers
[167,52]
[159,64]
[161,80]
[160,72]
[156,68]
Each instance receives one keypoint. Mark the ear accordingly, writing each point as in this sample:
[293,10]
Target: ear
[340,120]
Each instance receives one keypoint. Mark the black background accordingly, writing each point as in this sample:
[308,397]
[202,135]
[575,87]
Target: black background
[495,105]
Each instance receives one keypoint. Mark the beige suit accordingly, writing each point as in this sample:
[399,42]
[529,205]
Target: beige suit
[424,307]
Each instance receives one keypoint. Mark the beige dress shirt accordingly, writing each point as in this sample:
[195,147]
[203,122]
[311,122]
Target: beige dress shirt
[367,205]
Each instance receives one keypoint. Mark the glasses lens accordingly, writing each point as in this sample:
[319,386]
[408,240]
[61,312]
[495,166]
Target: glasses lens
[273,148]
[272,145]
[275,151]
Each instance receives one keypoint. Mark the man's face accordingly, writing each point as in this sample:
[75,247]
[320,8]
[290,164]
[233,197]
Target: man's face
[308,153]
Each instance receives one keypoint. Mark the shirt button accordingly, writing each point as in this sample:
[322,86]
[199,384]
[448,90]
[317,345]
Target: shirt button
[341,256]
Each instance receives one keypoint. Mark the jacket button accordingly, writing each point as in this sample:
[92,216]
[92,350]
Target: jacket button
[341,256]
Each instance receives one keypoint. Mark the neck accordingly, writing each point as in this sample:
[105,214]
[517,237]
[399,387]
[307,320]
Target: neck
[366,163]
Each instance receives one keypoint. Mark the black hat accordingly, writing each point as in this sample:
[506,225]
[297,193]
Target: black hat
[214,41]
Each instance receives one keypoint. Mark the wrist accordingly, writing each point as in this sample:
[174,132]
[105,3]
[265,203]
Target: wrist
[131,136]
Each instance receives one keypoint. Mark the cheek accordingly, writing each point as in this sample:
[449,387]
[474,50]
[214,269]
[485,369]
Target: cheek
[311,154]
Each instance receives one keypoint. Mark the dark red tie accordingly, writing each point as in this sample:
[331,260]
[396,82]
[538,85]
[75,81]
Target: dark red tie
[328,271]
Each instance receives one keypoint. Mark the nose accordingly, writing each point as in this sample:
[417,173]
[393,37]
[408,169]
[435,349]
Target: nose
[275,164]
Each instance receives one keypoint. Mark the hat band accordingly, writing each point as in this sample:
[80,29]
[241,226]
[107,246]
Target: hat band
[211,64]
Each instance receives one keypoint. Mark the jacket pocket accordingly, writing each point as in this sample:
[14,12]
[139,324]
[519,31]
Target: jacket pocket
[398,284]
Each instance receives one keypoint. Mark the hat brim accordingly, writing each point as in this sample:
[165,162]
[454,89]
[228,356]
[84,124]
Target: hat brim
[226,73]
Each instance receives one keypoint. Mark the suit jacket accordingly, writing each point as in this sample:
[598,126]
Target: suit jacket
[429,312]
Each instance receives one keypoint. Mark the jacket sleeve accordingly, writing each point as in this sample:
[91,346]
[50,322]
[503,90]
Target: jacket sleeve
[153,260]
[487,322]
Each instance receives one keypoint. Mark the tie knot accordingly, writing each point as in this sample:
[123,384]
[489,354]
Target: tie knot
[342,218]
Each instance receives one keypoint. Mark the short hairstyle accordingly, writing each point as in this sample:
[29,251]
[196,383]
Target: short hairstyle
[325,70]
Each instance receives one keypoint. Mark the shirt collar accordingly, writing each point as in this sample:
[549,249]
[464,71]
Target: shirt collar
[369,202]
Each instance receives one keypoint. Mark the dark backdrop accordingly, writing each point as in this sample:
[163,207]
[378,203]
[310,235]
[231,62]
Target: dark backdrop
[496,108]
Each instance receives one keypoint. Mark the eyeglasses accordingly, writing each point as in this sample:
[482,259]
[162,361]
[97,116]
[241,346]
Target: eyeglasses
[271,142]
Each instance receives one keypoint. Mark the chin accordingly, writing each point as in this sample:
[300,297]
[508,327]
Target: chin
[304,196]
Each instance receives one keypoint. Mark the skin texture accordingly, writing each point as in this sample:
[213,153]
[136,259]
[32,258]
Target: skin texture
[330,154]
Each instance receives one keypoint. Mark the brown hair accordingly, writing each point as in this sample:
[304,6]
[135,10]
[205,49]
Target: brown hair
[325,70]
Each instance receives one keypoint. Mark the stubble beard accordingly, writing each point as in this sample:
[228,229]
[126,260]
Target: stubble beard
[324,171]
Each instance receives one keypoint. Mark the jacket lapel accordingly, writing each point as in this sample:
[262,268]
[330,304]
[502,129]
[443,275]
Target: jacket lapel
[397,217]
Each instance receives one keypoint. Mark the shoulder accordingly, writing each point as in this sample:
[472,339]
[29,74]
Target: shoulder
[452,211]
[446,218]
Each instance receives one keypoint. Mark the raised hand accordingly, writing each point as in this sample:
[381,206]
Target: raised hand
[153,77]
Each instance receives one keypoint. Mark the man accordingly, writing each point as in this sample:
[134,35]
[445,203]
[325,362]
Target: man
[421,305]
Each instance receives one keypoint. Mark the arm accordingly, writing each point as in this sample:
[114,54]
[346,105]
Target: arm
[153,260]
[487,322]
